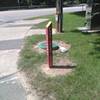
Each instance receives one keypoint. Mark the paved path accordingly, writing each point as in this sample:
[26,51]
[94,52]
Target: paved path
[11,89]
[10,16]
[11,41]
[10,85]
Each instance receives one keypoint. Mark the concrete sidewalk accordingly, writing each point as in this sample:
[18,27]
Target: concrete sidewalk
[23,23]
[11,42]
[11,33]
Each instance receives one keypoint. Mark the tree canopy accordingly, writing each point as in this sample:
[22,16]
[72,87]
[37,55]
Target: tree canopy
[37,2]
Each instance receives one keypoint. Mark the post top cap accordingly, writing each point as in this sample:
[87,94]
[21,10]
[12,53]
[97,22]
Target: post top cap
[49,23]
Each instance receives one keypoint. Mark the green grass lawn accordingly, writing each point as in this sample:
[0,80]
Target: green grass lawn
[81,84]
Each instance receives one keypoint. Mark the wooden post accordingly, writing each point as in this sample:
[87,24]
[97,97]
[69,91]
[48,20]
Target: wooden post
[49,44]
[59,15]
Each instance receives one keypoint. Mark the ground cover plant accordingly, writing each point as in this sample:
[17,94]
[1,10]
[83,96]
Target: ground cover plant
[84,82]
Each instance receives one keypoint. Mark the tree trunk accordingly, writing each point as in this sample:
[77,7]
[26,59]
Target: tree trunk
[59,15]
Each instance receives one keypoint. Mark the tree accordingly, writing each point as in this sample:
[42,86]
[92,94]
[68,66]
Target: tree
[29,2]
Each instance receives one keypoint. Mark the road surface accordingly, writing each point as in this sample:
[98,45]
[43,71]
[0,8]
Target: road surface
[8,16]
[11,89]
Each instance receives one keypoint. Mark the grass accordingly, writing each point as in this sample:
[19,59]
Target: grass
[84,82]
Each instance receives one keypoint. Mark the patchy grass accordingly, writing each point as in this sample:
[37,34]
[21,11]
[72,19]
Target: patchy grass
[84,82]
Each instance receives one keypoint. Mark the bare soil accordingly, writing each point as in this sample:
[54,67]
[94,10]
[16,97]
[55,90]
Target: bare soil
[62,67]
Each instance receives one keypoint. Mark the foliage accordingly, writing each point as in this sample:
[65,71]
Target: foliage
[37,2]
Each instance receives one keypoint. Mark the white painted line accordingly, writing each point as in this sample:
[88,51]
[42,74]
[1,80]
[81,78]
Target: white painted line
[8,80]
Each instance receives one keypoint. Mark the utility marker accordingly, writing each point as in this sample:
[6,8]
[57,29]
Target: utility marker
[49,44]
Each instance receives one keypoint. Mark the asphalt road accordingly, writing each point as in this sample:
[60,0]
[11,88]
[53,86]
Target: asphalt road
[10,44]
[12,15]
[11,89]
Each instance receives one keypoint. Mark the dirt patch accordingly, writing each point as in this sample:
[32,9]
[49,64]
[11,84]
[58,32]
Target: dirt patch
[63,67]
